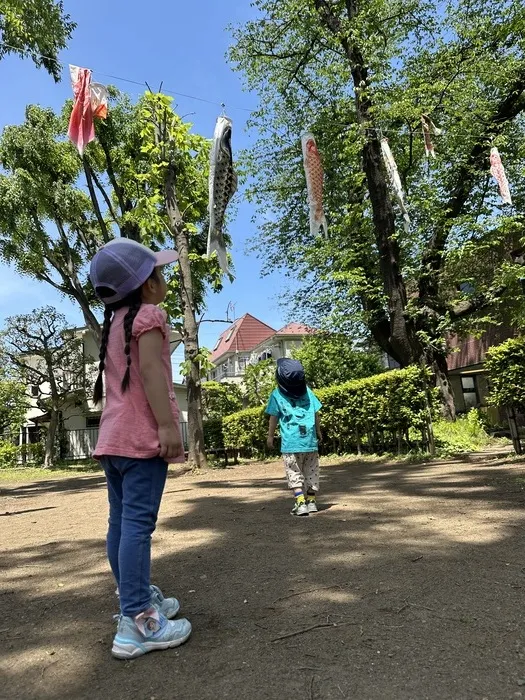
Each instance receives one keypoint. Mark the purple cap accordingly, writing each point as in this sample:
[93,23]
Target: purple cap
[123,265]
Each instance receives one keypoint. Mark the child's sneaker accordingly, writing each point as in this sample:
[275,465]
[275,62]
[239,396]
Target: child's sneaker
[300,507]
[169,607]
[311,504]
[149,631]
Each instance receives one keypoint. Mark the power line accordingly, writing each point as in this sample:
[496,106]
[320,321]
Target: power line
[127,80]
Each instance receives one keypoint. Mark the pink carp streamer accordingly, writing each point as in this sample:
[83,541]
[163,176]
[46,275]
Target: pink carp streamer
[91,100]
[313,168]
[498,172]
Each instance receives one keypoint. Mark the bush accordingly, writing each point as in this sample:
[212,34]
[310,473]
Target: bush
[34,453]
[213,438]
[466,434]
[506,367]
[220,400]
[376,410]
[246,429]
[9,454]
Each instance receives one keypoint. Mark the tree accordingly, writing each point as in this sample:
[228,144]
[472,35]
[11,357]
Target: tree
[13,403]
[39,29]
[49,357]
[258,383]
[51,225]
[175,200]
[219,400]
[329,359]
[353,72]
[145,179]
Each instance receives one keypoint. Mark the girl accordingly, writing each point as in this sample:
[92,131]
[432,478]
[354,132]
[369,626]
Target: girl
[139,434]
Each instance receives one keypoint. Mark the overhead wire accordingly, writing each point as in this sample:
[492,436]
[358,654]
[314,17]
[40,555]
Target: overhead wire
[128,80]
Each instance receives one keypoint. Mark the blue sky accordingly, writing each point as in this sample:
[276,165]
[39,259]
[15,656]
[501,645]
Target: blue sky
[182,45]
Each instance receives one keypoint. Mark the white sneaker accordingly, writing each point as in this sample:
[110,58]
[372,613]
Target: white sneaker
[300,509]
[150,631]
[312,506]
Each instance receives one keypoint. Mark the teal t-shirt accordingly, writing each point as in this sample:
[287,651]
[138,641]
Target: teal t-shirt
[296,421]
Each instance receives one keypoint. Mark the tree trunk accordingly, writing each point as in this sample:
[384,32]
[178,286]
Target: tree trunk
[440,369]
[49,455]
[190,328]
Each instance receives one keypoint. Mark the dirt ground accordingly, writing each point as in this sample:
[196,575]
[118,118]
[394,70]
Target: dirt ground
[408,585]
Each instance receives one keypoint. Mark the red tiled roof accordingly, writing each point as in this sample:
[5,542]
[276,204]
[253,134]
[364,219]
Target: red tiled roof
[296,329]
[243,335]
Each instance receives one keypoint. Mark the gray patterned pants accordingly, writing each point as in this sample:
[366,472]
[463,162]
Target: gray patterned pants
[302,470]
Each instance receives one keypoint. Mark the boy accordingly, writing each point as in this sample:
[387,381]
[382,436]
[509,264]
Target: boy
[296,408]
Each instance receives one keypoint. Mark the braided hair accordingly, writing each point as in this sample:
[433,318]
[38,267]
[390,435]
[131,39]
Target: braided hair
[99,386]
[133,301]
[134,307]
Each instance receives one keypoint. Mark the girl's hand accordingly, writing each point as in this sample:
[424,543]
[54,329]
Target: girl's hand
[170,442]
[269,442]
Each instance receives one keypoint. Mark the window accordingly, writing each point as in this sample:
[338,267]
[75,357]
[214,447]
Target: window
[35,390]
[243,362]
[230,333]
[470,391]
[93,422]
[217,344]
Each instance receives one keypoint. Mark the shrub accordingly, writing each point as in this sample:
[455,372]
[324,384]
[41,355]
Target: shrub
[9,454]
[34,453]
[246,429]
[466,434]
[213,438]
[375,410]
[220,400]
[506,367]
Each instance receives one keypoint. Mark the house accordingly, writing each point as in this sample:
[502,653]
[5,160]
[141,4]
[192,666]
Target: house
[248,341]
[467,374]
[80,417]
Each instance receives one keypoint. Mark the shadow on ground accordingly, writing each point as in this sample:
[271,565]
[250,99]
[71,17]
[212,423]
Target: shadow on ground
[408,586]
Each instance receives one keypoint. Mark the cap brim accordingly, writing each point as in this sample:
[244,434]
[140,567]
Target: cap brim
[166,257]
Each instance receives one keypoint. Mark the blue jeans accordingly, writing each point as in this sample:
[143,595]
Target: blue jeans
[135,489]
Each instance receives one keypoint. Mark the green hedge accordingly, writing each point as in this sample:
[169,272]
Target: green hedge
[378,411]
[246,429]
[505,364]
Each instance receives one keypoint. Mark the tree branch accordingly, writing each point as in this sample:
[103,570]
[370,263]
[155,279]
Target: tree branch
[94,200]
[508,108]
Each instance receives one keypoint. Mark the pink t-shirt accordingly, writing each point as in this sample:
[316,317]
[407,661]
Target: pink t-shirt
[128,427]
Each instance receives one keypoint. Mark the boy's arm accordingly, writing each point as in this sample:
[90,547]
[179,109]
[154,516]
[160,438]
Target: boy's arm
[318,427]
[271,431]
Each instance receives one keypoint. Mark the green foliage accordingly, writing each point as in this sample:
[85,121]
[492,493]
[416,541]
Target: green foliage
[258,383]
[13,404]
[350,72]
[213,437]
[362,410]
[9,454]
[44,353]
[330,359]
[202,359]
[465,434]
[220,399]
[175,143]
[248,429]
[51,225]
[505,365]
[38,29]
